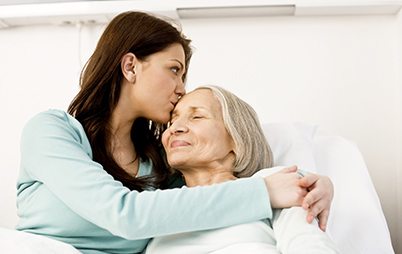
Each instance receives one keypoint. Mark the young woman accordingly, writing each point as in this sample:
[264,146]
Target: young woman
[88,177]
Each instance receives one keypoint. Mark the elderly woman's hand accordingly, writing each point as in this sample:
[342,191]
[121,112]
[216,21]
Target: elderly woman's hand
[318,199]
[284,188]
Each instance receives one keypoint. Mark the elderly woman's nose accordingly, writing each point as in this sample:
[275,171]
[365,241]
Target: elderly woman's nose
[179,126]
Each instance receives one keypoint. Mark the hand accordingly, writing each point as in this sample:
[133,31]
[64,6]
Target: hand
[321,193]
[284,188]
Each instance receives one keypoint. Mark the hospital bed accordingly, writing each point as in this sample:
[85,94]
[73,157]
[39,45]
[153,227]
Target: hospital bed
[356,223]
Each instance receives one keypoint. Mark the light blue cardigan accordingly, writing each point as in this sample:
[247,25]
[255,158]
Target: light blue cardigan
[65,195]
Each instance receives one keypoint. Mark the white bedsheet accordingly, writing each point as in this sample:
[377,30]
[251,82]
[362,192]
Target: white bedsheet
[17,242]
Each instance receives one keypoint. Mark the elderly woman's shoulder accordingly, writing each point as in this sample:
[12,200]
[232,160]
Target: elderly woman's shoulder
[268,171]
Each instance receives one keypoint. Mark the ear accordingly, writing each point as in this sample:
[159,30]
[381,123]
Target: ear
[128,64]
[234,148]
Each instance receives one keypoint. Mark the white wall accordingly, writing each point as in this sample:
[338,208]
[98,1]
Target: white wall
[398,244]
[341,73]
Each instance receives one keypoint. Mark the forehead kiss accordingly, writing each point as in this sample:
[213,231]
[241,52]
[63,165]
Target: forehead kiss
[196,133]
[200,101]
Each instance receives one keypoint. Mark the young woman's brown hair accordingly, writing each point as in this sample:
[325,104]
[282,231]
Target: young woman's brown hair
[143,35]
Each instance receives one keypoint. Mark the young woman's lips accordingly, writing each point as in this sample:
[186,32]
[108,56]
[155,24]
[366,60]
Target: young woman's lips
[179,143]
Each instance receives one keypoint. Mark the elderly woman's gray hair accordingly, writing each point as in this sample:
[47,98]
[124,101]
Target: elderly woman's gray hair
[241,121]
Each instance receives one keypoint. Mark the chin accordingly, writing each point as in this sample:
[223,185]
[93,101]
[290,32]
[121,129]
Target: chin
[161,120]
[165,120]
[176,164]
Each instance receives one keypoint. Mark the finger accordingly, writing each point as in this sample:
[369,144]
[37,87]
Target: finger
[318,208]
[311,198]
[302,192]
[309,180]
[323,220]
[290,169]
[314,211]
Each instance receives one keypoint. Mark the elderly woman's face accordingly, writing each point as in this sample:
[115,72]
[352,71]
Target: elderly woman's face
[197,136]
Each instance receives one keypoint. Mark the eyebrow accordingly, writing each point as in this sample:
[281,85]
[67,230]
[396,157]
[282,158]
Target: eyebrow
[181,64]
[193,109]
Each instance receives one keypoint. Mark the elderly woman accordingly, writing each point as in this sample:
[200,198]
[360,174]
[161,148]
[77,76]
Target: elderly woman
[216,137]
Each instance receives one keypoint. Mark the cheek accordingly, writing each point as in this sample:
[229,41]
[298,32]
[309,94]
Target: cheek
[211,142]
[165,138]
[222,142]
[161,76]
[153,78]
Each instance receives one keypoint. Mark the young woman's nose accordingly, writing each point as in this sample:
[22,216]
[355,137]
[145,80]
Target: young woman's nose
[180,90]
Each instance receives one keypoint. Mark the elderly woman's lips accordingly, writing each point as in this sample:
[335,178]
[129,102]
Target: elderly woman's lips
[178,143]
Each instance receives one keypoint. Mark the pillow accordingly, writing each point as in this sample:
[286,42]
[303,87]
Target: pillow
[292,144]
[356,222]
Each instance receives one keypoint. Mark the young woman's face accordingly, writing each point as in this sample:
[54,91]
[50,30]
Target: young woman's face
[159,83]
[197,137]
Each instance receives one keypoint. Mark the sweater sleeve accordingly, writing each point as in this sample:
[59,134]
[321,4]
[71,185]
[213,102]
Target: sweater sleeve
[55,151]
[294,234]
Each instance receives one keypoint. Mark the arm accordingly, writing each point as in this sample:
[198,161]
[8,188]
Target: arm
[294,234]
[55,151]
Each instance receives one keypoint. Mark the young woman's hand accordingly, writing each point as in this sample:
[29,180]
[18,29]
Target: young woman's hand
[284,188]
[318,199]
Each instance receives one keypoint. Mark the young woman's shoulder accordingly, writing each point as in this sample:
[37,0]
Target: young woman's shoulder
[54,124]
[54,118]
[52,115]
